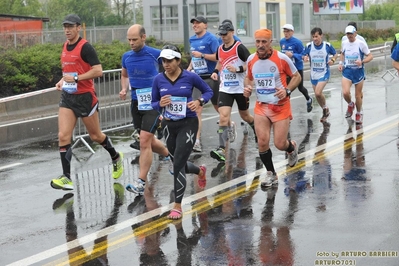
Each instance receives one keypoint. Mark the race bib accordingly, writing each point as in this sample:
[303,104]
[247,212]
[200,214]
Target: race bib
[265,85]
[350,61]
[144,97]
[70,87]
[176,110]
[230,79]
[199,65]
[318,64]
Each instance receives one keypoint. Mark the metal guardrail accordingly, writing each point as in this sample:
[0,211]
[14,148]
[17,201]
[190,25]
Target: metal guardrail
[114,114]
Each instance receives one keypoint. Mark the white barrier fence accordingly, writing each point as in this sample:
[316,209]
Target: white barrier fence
[113,113]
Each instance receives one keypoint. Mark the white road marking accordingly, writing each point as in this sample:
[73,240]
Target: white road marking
[9,166]
[186,204]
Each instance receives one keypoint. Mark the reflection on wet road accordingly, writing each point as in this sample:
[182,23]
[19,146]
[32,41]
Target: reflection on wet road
[340,199]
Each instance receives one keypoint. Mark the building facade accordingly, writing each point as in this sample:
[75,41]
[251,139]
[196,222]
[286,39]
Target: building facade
[246,15]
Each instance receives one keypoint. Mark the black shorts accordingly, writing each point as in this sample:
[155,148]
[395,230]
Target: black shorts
[147,120]
[226,99]
[214,84]
[82,105]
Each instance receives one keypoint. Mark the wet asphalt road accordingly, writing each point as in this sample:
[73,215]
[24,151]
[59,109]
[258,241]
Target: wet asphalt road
[339,205]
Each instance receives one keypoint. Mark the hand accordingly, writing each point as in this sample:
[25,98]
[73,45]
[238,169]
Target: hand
[289,54]
[281,93]
[214,76]
[196,54]
[122,94]
[165,100]
[340,67]
[306,58]
[247,91]
[194,105]
[58,86]
[231,68]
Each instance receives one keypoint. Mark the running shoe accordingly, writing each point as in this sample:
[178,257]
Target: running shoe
[171,171]
[270,181]
[219,154]
[309,105]
[220,167]
[326,113]
[244,126]
[62,182]
[137,187]
[202,178]
[136,135]
[119,194]
[349,111]
[359,118]
[197,147]
[135,145]
[63,204]
[293,156]
[117,166]
[233,132]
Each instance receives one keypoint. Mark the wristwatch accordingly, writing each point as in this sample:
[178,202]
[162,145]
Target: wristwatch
[288,92]
[202,56]
[202,101]
[76,78]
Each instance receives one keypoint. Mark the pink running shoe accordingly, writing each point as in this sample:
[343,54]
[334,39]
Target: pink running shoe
[202,178]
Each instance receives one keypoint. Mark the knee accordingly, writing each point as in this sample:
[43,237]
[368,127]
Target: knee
[281,145]
[64,137]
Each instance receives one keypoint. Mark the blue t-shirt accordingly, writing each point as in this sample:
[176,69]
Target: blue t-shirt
[142,67]
[182,87]
[207,44]
[294,46]
[395,53]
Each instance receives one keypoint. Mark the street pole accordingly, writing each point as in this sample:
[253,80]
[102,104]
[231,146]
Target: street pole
[160,18]
[185,28]
[134,11]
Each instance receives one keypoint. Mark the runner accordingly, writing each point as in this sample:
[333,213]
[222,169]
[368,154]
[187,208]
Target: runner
[354,54]
[317,52]
[172,95]
[267,72]
[232,56]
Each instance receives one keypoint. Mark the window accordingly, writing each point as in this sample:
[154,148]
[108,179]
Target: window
[170,18]
[209,11]
[297,17]
[242,18]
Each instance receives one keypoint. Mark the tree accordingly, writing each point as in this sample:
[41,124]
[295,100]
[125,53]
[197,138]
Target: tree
[90,11]
[383,11]
[21,8]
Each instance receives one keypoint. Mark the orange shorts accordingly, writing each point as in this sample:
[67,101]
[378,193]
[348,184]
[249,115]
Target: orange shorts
[274,112]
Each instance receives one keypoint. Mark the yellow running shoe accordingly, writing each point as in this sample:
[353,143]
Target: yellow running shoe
[117,167]
[62,182]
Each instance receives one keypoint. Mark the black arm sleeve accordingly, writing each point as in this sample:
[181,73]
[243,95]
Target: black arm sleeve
[89,55]
[394,44]
[243,52]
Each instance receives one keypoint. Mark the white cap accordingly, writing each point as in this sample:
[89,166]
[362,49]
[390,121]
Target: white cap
[350,29]
[288,27]
[169,54]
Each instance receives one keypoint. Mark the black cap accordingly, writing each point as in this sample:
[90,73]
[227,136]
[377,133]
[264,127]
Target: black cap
[72,19]
[199,19]
[225,28]
[227,20]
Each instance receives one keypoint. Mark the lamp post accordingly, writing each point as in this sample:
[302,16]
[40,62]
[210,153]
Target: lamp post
[160,18]
[134,11]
